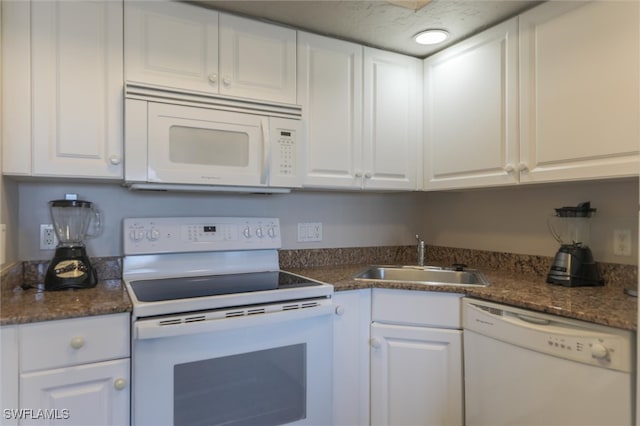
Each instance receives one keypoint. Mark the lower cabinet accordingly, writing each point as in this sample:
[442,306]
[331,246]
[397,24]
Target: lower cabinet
[416,358]
[351,357]
[74,371]
[8,373]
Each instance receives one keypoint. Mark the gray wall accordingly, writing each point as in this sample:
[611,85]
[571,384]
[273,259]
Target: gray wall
[503,219]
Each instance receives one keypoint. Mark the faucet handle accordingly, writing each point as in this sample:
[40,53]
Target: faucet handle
[418,237]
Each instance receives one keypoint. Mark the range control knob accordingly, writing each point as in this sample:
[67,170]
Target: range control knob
[136,234]
[259,232]
[271,232]
[153,234]
[246,232]
[599,351]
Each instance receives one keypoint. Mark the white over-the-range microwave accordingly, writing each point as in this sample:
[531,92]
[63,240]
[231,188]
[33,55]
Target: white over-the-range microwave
[186,141]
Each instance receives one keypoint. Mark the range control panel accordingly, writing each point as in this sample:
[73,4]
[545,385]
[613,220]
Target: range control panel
[199,234]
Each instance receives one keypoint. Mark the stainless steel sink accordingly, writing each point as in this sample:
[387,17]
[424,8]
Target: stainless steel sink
[428,275]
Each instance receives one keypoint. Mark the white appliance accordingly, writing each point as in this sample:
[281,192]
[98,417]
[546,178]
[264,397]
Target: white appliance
[220,335]
[182,143]
[527,368]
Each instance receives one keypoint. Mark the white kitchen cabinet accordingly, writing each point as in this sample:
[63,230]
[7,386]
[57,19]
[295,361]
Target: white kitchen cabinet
[76,370]
[351,357]
[62,101]
[392,110]
[181,46]
[471,111]
[580,90]
[9,373]
[361,107]
[330,93]
[416,358]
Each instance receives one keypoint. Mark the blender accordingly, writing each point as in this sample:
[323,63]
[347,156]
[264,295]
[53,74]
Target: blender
[573,264]
[70,266]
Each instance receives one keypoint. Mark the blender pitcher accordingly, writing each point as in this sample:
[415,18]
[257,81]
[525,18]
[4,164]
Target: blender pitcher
[70,266]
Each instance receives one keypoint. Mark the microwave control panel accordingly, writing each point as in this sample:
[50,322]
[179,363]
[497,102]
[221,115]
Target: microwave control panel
[285,153]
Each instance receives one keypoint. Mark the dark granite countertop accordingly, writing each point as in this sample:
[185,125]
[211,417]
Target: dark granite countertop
[607,305]
[18,306]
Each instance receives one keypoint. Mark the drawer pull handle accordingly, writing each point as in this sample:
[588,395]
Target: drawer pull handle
[120,384]
[77,342]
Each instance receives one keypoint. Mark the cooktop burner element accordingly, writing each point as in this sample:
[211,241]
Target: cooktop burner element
[162,289]
[186,264]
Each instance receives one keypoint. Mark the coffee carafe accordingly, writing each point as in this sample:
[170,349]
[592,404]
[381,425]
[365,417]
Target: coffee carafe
[70,266]
[573,264]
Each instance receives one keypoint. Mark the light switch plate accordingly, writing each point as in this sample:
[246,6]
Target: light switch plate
[309,232]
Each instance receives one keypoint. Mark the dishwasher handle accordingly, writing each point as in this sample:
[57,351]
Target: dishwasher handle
[533,320]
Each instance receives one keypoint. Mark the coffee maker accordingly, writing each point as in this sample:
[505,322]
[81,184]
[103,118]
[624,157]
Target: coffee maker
[573,264]
[70,266]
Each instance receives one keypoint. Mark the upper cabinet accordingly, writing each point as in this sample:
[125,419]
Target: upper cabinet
[180,46]
[62,90]
[330,93]
[361,107]
[471,112]
[550,97]
[580,90]
[392,110]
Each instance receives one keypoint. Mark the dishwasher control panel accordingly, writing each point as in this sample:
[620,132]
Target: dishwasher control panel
[566,338]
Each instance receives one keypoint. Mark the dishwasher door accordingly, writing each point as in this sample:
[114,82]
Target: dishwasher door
[525,368]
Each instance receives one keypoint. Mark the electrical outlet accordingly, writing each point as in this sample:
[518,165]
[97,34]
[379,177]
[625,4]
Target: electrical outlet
[309,232]
[622,242]
[48,239]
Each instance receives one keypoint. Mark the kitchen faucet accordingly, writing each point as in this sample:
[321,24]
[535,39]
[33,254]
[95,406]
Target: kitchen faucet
[420,250]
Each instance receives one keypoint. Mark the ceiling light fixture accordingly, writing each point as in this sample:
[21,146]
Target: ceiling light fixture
[431,37]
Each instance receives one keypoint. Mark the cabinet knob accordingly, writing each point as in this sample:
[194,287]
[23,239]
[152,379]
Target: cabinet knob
[120,384]
[368,175]
[375,342]
[523,167]
[226,80]
[509,168]
[358,174]
[77,342]
[115,160]
[339,310]
[213,78]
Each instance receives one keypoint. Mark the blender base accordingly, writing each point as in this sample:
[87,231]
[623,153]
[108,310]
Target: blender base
[70,268]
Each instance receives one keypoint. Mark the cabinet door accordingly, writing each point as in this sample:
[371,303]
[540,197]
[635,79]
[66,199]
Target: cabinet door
[90,394]
[391,112]
[351,357]
[416,376]
[470,125]
[580,90]
[257,60]
[171,44]
[330,77]
[9,373]
[77,104]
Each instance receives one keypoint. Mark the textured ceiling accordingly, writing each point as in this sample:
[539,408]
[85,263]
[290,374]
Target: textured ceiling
[379,23]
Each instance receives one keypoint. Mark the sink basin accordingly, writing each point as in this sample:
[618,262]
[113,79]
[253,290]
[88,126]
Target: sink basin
[428,275]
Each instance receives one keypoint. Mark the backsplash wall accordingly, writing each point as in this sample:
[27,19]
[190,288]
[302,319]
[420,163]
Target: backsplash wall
[503,219]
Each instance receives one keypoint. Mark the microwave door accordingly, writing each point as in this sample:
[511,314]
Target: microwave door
[189,145]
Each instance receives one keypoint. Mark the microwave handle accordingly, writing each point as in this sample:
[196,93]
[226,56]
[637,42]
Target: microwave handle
[266,151]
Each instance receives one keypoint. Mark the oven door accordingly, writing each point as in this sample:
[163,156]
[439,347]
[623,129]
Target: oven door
[247,368]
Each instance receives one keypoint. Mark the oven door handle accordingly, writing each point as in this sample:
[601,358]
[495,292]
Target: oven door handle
[153,329]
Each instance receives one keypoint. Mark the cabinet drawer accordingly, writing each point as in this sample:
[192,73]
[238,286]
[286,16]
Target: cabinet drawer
[62,343]
[416,308]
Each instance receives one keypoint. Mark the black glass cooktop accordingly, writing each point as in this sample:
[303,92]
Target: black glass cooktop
[157,290]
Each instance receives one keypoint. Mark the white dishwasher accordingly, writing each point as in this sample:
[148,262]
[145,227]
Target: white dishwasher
[527,368]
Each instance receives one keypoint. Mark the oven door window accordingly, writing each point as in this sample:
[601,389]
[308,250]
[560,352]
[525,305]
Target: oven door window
[265,387]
